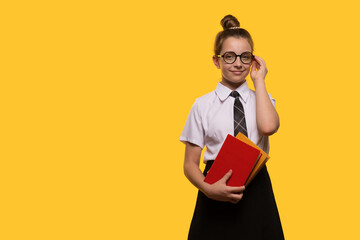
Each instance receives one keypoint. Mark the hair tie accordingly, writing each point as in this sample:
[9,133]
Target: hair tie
[234,28]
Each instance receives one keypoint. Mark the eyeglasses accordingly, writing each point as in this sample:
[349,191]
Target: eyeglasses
[230,57]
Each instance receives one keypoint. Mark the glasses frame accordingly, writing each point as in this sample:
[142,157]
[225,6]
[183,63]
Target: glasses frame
[236,55]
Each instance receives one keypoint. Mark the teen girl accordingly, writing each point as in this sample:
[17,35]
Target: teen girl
[223,212]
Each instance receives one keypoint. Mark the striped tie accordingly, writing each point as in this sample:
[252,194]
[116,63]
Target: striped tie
[239,115]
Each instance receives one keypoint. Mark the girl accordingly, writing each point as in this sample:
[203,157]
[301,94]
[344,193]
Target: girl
[224,212]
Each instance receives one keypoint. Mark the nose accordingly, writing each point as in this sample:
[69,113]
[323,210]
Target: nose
[238,62]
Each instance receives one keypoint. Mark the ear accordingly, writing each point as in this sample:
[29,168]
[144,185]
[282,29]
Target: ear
[216,61]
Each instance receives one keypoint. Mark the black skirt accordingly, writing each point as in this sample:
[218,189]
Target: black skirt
[255,216]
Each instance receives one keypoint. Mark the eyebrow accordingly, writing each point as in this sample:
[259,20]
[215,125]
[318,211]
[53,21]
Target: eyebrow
[236,53]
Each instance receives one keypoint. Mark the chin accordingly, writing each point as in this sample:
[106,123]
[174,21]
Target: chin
[237,81]
[234,80]
[233,84]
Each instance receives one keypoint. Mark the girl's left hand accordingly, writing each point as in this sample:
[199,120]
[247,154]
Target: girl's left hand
[258,69]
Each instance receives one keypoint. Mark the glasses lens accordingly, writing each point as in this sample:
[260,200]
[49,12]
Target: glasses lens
[229,57]
[246,57]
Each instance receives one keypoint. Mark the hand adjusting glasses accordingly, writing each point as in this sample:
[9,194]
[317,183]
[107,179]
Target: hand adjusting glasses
[230,57]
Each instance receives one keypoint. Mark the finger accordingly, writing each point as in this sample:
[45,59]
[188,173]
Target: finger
[233,200]
[236,189]
[226,176]
[237,197]
[260,61]
[256,64]
[256,59]
[253,67]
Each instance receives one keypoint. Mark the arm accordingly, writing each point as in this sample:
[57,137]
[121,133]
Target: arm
[217,191]
[267,118]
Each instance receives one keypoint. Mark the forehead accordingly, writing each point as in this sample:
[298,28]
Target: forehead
[237,45]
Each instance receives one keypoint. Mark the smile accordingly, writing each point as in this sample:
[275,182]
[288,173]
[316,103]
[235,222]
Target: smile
[237,72]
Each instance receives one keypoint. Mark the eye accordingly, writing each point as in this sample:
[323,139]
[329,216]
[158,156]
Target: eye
[247,55]
[229,55]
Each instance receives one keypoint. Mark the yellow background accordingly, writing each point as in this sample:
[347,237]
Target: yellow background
[95,94]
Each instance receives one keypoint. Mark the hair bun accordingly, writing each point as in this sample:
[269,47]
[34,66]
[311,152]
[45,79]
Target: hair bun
[229,21]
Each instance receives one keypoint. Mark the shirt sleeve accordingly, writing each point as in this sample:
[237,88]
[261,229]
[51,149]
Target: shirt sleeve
[273,103]
[193,131]
[272,100]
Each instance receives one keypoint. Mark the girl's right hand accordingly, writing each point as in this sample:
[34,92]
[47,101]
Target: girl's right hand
[221,192]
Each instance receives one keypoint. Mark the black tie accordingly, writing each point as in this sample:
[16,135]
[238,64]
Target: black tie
[239,115]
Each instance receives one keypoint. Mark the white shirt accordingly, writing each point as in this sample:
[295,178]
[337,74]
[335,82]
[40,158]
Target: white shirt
[211,119]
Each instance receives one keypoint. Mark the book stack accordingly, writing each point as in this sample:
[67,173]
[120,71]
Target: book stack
[242,156]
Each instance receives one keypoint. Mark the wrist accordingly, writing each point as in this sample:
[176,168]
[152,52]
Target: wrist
[204,187]
[259,82]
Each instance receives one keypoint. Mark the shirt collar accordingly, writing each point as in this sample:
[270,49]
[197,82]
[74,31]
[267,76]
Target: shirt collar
[223,92]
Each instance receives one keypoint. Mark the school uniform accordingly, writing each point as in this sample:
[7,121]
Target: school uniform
[255,216]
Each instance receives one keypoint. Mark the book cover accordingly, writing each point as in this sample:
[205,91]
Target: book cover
[262,160]
[236,155]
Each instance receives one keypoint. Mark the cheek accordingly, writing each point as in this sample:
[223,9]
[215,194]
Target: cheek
[225,69]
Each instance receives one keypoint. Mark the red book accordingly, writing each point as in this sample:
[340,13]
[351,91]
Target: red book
[236,155]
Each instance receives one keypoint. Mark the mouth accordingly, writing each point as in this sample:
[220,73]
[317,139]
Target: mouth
[237,72]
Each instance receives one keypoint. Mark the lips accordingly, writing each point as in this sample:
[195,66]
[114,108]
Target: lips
[237,72]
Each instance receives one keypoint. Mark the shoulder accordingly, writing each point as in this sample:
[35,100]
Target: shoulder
[205,100]
[203,104]
[253,96]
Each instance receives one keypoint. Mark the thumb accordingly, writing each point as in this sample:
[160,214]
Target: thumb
[226,177]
